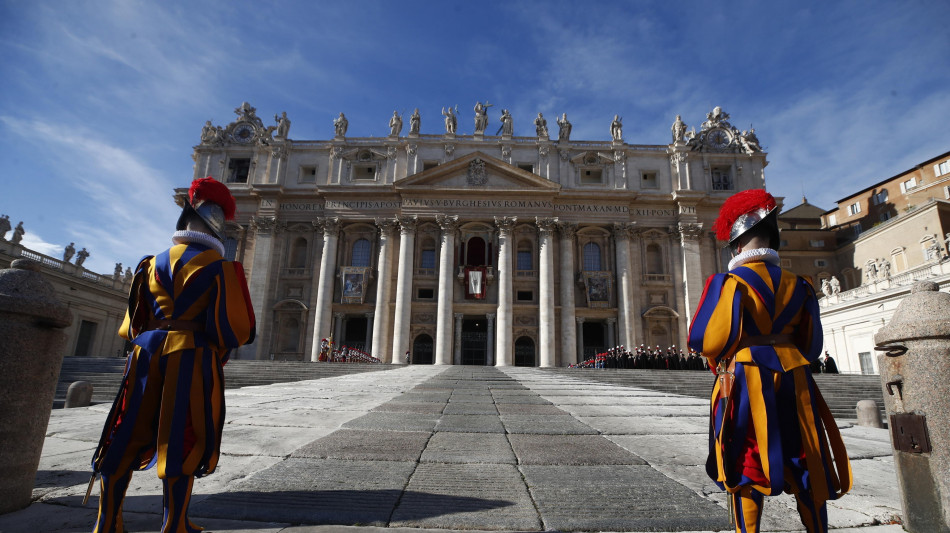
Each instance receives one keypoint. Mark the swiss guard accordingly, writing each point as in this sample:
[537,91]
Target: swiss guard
[188,308]
[758,326]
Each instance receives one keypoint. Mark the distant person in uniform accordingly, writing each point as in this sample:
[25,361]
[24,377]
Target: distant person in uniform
[830,366]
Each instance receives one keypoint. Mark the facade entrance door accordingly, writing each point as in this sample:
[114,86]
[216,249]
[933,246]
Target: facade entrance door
[475,342]
[354,333]
[595,339]
[524,352]
[421,353]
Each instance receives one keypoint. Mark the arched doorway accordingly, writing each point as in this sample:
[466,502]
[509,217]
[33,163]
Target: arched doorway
[524,352]
[421,350]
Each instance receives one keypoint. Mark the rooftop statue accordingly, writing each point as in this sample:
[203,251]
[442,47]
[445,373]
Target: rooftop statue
[283,125]
[395,125]
[541,126]
[415,122]
[481,117]
[451,121]
[616,129]
[679,129]
[564,128]
[340,125]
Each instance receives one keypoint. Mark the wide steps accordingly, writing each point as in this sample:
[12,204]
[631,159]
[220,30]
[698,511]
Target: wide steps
[841,392]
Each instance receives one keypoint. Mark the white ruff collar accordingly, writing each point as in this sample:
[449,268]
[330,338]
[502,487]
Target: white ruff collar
[756,254]
[188,237]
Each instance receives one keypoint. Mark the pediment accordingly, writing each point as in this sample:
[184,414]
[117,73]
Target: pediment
[474,172]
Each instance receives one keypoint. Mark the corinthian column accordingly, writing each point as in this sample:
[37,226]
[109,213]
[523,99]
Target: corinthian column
[503,341]
[383,290]
[568,326]
[443,328]
[690,236]
[621,232]
[407,240]
[321,313]
[546,354]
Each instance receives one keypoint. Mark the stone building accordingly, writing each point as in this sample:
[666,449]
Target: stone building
[474,249]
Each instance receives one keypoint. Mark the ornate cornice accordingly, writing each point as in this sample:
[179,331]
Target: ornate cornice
[568,229]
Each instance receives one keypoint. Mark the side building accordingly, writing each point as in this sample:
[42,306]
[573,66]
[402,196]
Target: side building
[474,249]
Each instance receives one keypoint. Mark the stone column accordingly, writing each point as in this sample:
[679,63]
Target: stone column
[368,343]
[339,319]
[321,313]
[621,232]
[636,275]
[546,331]
[580,339]
[259,286]
[443,331]
[490,357]
[569,353]
[612,332]
[383,291]
[691,234]
[458,339]
[407,239]
[503,340]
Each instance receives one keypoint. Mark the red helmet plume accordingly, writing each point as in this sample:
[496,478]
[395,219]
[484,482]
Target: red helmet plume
[211,190]
[740,204]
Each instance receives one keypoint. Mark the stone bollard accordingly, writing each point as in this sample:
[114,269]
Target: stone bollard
[915,371]
[868,414]
[32,343]
[79,394]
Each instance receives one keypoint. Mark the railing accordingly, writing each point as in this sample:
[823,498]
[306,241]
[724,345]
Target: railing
[657,277]
[903,279]
[529,274]
[427,272]
[40,258]
[296,272]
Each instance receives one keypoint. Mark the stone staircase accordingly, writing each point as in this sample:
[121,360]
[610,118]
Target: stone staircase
[842,392]
[105,374]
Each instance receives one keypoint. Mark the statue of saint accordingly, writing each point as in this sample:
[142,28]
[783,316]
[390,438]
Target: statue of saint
[208,133]
[18,233]
[5,227]
[541,126]
[395,125]
[118,271]
[507,126]
[451,122]
[340,124]
[616,129]
[81,257]
[835,285]
[826,287]
[283,125]
[481,117]
[679,129]
[871,271]
[414,122]
[127,277]
[883,268]
[68,253]
[564,128]
[750,142]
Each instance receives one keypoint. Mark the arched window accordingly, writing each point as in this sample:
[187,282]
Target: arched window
[592,257]
[654,259]
[298,253]
[361,249]
[475,252]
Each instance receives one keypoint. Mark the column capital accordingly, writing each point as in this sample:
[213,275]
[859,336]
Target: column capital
[623,230]
[546,225]
[407,224]
[386,225]
[580,320]
[331,226]
[490,317]
[369,315]
[264,224]
[459,317]
[690,231]
[568,229]
[505,224]
[339,315]
[447,223]
[612,320]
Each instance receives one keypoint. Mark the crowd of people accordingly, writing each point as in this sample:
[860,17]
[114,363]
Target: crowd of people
[332,353]
[646,357]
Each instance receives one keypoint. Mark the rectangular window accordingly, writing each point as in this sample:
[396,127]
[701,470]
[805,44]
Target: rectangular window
[87,333]
[364,172]
[425,294]
[821,263]
[238,170]
[817,243]
[942,168]
[426,165]
[525,296]
[528,167]
[428,259]
[867,365]
[857,228]
[307,175]
[721,178]
[880,197]
[908,185]
[946,192]
[591,176]
[524,261]
[885,216]
[854,208]
[648,180]
[832,220]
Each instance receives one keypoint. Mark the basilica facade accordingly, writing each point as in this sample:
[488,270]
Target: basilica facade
[474,249]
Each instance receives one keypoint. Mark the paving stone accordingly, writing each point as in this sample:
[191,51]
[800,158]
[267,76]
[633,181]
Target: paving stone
[647,425]
[545,425]
[431,408]
[393,422]
[368,445]
[449,447]
[465,408]
[466,496]
[570,450]
[314,491]
[470,424]
[529,409]
[687,449]
[299,418]
[270,442]
[440,397]
[471,392]
[618,498]
[529,399]
[471,398]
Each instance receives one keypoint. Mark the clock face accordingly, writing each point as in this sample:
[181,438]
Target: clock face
[243,133]
[719,138]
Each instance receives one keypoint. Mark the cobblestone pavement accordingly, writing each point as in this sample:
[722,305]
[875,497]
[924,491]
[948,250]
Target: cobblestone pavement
[449,448]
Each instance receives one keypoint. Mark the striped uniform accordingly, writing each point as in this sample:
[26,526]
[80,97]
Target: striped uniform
[778,434]
[170,408]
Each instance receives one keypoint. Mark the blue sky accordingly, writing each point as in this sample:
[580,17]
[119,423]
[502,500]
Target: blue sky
[101,102]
